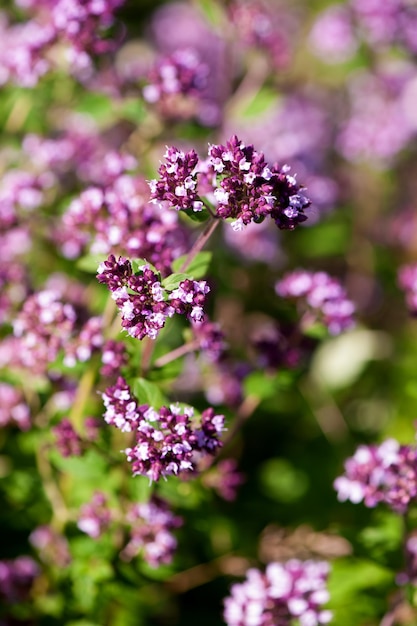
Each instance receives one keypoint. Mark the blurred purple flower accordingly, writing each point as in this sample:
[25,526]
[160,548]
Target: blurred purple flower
[295,590]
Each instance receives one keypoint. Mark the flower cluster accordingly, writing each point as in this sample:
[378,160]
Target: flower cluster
[259,26]
[150,529]
[67,441]
[240,183]
[386,23]
[176,80]
[324,296]
[113,357]
[16,578]
[295,590]
[51,546]
[118,218]
[89,339]
[385,473]
[95,516]
[407,278]
[144,303]
[77,25]
[381,121]
[168,440]
[177,184]
[248,189]
[43,327]
[13,409]
[225,479]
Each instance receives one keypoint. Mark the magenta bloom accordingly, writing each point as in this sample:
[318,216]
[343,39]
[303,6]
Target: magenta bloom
[385,473]
[290,591]
[323,296]
[168,441]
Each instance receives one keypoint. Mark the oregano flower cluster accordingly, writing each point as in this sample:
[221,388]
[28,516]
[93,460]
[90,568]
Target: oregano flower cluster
[384,473]
[144,303]
[295,590]
[168,441]
[237,180]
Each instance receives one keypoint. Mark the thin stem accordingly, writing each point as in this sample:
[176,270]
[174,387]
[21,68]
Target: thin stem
[147,352]
[59,509]
[243,413]
[83,393]
[199,244]
[176,354]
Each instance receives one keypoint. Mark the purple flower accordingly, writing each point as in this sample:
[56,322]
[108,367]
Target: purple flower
[95,517]
[51,546]
[44,326]
[323,296]
[385,473]
[177,182]
[247,189]
[168,441]
[261,25]
[295,590]
[239,182]
[150,532]
[113,357]
[176,84]
[67,440]
[144,304]
[117,218]
[225,479]
[13,409]
[16,578]
[332,37]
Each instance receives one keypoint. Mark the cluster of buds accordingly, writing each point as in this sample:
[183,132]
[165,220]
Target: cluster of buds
[79,25]
[386,473]
[13,408]
[295,590]
[176,83]
[43,326]
[168,441]
[95,516]
[17,577]
[150,529]
[144,303]
[239,182]
[325,299]
[118,218]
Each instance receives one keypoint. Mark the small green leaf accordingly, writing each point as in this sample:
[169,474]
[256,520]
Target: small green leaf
[148,393]
[91,262]
[265,99]
[197,216]
[172,281]
[198,266]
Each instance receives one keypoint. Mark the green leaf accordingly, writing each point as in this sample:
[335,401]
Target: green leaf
[173,281]
[97,105]
[198,266]
[91,262]
[197,216]
[148,393]
[264,100]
